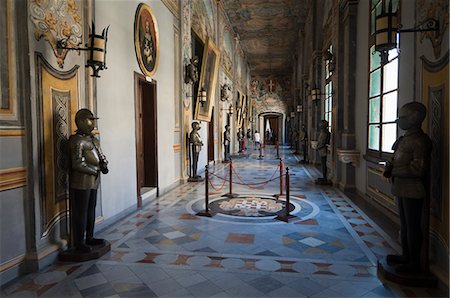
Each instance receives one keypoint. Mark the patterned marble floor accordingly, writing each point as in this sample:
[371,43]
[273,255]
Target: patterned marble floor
[329,249]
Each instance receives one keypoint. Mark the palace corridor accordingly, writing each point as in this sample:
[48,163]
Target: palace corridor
[329,250]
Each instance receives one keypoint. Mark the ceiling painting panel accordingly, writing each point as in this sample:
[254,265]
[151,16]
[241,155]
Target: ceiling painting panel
[268,31]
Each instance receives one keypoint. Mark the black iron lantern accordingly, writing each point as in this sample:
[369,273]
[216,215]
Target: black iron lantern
[97,50]
[387,27]
[96,46]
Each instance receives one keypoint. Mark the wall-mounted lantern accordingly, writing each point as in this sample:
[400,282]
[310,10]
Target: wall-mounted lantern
[96,47]
[387,27]
[315,94]
[299,108]
[202,96]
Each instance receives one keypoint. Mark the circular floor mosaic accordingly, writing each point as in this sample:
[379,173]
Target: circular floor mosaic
[254,208]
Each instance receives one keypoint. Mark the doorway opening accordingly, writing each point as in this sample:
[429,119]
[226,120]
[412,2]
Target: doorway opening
[271,129]
[146,137]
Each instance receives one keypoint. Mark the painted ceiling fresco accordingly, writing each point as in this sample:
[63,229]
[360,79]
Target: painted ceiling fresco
[268,32]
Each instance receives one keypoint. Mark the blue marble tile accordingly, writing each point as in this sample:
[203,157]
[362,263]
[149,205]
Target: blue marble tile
[266,284]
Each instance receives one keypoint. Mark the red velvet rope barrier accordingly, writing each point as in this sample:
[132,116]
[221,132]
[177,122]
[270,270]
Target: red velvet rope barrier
[250,185]
[220,187]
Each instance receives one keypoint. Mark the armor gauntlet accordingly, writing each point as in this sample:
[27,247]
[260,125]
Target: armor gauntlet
[103,163]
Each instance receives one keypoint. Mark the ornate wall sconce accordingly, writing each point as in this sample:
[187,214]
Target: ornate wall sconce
[387,27]
[96,47]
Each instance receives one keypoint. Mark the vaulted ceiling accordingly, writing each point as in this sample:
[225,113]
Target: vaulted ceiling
[268,31]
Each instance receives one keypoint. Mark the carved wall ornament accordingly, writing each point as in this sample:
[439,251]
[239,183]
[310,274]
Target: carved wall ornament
[57,20]
[225,92]
[437,9]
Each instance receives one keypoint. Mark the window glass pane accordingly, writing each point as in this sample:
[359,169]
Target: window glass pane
[375,81]
[390,107]
[375,2]
[389,136]
[390,76]
[379,8]
[394,52]
[374,137]
[375,60]
[374,110]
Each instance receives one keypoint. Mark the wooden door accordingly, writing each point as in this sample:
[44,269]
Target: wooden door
[146,134]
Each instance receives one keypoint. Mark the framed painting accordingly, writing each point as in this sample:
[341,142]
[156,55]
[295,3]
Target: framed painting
[240,111]
[208,79]
[146,39]
[249,111]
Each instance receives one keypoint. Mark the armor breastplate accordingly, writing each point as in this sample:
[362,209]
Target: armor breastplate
[84,162]
[410,164]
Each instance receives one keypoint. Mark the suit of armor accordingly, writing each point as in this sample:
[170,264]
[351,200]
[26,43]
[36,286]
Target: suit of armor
[226,142]
[196,144]
[87,161]
[408,171]
[322,142]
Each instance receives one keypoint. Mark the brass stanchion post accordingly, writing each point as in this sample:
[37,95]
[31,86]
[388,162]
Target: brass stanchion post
[230,194]
[286,216]
[281,176]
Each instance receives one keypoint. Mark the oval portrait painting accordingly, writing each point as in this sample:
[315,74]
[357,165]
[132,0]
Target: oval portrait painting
[146,40]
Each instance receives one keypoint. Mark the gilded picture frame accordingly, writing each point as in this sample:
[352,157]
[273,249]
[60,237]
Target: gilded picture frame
[146,40]
[249,111]
[240,111]
[208,80]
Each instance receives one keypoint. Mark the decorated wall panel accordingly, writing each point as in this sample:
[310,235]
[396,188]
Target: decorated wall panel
[226,37]
[203,12]
[435,95]
[239,67]
[8,60]
[57,20]
[58,96]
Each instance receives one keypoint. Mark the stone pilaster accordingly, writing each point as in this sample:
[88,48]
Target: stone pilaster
[186,55]
[345,132]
